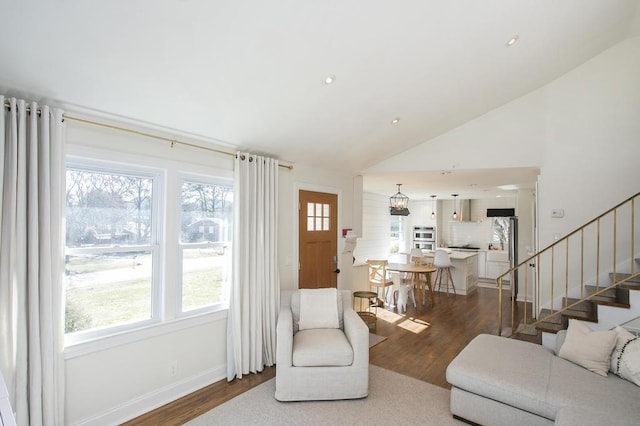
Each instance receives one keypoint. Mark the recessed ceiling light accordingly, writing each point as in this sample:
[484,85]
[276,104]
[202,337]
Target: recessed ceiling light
[395,121]
[513,40]
[445,172]
[329,79]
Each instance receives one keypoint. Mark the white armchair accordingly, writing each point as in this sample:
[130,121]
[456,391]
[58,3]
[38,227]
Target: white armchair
[321,363]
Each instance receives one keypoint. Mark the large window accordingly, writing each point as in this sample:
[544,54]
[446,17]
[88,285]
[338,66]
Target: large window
[205,243]
[111,248]
[138,256]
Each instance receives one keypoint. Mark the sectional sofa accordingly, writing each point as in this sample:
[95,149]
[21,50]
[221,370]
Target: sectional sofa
[501,381]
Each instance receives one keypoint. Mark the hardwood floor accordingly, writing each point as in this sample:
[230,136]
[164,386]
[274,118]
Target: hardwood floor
[420,343]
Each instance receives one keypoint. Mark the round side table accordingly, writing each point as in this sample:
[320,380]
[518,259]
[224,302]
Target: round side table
[367,316]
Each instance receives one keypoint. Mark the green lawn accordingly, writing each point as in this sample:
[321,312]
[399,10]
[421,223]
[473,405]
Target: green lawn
[105,305]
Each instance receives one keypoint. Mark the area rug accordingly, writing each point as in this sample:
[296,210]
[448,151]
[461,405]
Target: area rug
[393,399]
[374,339]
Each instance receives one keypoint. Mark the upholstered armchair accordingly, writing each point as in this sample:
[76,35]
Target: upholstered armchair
[319,357]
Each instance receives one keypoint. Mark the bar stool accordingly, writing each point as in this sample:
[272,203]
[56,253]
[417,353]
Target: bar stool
[442,262]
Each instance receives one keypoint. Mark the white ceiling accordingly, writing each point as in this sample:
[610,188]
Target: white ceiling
[250,74]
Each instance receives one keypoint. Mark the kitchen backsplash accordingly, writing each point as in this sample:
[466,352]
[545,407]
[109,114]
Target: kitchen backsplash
[478,231]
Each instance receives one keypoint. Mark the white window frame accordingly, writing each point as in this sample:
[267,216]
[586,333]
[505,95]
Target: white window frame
[158,177]
[180,246]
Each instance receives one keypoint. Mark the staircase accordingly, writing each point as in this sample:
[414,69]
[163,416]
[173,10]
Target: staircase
[569,279]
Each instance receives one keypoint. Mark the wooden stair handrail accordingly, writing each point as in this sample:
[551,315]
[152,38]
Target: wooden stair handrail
[562,240]
[575,231]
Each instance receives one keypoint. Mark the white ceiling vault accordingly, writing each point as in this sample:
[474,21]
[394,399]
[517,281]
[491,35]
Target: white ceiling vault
[251,74]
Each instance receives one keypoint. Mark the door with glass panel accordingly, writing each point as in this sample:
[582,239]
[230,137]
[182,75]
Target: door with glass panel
[318,240]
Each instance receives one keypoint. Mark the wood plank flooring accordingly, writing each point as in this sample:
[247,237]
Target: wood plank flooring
[420,343]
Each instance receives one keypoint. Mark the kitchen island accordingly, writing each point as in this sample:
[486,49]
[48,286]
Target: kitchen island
[464,271]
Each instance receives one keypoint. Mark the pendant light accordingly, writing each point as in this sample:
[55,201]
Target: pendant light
[399,203]
[433,207]
[455,214]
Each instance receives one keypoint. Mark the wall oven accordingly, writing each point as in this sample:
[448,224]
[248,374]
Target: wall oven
[424,237]
[424,245]
[424,233]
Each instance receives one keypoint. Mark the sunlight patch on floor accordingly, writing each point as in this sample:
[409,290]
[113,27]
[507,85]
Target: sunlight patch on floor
[389,316]
[411,324]
[414,326]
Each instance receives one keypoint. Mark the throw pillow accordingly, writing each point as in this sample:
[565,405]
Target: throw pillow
[625,360]
[587,348]
[319,308]
[295,310]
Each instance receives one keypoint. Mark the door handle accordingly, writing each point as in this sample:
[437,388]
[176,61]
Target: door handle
[337,271]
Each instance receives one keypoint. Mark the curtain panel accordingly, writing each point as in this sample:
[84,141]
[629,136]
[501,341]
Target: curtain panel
[255,286]
[31,260]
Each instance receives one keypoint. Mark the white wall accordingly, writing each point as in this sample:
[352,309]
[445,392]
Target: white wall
[375,242]
[128,375]
[592,139]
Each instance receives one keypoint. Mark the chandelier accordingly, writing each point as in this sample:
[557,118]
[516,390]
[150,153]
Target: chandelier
[399,203]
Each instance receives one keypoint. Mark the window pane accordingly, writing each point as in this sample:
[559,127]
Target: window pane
[325,211]
[107,210]
[106,286]
[397,234]
[104,290]
[204,274]
[318,224]
[310,222]
[310,209]
[207,217]
[206,212]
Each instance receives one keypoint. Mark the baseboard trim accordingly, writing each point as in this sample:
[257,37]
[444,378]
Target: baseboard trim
[145,403]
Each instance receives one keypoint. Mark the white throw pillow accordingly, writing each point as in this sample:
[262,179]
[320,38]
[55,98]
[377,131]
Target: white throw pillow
[625,360]
[587,348]
[319,308]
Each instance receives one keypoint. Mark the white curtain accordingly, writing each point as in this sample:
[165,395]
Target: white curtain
[31,331]
[255,287]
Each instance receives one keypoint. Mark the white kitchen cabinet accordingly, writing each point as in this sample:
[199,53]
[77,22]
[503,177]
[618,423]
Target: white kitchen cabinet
[495,269]
[464,271]
[482,264]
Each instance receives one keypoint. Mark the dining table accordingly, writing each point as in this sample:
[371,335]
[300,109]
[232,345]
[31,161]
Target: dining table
[415,269]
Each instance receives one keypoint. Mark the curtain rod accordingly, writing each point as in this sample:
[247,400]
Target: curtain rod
[173,141]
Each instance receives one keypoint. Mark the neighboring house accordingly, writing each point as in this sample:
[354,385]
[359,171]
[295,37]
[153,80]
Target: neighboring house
[205,229]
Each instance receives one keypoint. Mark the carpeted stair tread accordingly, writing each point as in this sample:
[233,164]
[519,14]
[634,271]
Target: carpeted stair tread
[620,276]
[631,286]
[545,313]
[585,310]
[617,297]
[549,327]
[552,324]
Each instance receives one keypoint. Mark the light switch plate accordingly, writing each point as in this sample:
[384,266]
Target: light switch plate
[557,213]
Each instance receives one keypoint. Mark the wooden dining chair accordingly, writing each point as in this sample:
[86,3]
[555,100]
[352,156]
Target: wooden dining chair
[423,280]
[379,278]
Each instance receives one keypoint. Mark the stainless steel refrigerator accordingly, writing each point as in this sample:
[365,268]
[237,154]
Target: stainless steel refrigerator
[505,226]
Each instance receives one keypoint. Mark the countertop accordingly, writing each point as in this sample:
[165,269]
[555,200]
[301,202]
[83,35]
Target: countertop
[454,255]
